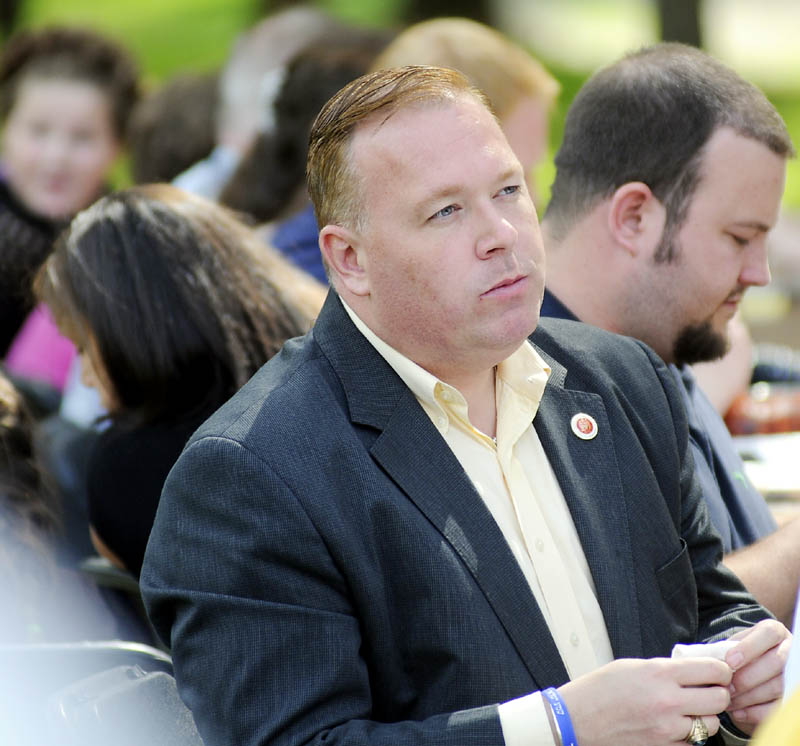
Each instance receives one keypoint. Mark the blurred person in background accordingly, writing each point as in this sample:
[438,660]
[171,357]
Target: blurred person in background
[42,601]
[173,127]
[270,184]
[250,77]
[65,98]
[521,91]
[66,95]
[173,305]
[51,612]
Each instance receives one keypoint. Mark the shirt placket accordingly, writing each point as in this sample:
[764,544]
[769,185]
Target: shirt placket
[562,613]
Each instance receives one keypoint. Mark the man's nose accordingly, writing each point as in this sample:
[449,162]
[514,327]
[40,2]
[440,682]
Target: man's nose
[755,270]
[497,233]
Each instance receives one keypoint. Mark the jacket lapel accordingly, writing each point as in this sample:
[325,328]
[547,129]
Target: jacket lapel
[588,474]
[425,469]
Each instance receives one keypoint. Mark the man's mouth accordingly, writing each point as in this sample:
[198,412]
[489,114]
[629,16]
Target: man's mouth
[505,286]
[734,299]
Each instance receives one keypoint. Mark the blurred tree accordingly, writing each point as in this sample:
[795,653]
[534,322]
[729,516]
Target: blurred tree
[9,11]
[680,21]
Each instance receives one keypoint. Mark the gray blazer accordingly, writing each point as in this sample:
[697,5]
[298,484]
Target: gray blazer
[323,568]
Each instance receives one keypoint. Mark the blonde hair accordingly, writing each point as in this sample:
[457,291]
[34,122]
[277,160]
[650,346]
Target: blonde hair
[503,70]
[332,183]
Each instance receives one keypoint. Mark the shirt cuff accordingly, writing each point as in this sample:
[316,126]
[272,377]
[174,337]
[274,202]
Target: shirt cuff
[524,721]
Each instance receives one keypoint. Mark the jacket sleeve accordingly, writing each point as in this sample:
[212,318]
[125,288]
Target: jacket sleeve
[723,603]
[265,644]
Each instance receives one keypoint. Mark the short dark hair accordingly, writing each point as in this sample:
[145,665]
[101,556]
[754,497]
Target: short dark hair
[71,54]
[180,299]
[647,118]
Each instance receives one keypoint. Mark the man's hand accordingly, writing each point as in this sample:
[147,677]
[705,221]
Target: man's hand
[629,702]
[758,662]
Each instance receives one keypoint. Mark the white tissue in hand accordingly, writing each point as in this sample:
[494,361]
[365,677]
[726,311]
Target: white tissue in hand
[716,650]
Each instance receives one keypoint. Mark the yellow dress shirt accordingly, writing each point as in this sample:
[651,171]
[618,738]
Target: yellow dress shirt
[517,484]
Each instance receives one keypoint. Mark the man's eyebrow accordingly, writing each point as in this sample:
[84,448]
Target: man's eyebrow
[512,172]
[451,190]
[443,192]
[426,204]
[754,224]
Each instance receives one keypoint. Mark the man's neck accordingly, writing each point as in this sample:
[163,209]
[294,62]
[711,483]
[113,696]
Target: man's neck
[477,387]
[479,392]
[577,275]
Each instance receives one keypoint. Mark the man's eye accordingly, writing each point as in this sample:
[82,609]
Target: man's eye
[445,212]
[740,239]
[511,189]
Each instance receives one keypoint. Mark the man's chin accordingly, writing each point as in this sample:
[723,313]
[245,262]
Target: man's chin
[699,343]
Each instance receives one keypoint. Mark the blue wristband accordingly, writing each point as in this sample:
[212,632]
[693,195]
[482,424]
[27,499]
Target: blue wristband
[561,713]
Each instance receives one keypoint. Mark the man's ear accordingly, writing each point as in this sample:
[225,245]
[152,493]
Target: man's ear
[636,218]
[345,257]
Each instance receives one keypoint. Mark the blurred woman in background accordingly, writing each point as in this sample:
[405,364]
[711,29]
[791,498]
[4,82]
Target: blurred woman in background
[270,181]
[521,91]
[173,304]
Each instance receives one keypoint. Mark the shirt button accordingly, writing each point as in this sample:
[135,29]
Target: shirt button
[574,640]
[540,545]
[442,423]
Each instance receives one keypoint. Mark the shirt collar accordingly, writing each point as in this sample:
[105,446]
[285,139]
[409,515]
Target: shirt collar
[524,371]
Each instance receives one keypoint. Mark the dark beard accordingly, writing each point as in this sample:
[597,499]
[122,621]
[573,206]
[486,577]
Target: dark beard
[699,343]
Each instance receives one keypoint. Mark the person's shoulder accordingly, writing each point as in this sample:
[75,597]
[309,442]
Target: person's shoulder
[623,371]
[576,344]
[288,388]
[588,358]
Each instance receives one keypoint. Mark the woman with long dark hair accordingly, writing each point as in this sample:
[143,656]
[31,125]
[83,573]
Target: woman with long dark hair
[173,304]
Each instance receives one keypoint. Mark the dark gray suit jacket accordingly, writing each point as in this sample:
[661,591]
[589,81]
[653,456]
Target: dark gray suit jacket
[324,569]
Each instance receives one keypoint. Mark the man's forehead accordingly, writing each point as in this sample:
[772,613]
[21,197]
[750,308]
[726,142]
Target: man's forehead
[732,162]
[725,172]
[415,114]
[725,140]
[396,139]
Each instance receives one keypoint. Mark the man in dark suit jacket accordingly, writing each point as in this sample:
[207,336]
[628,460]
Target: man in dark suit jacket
[334,559]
